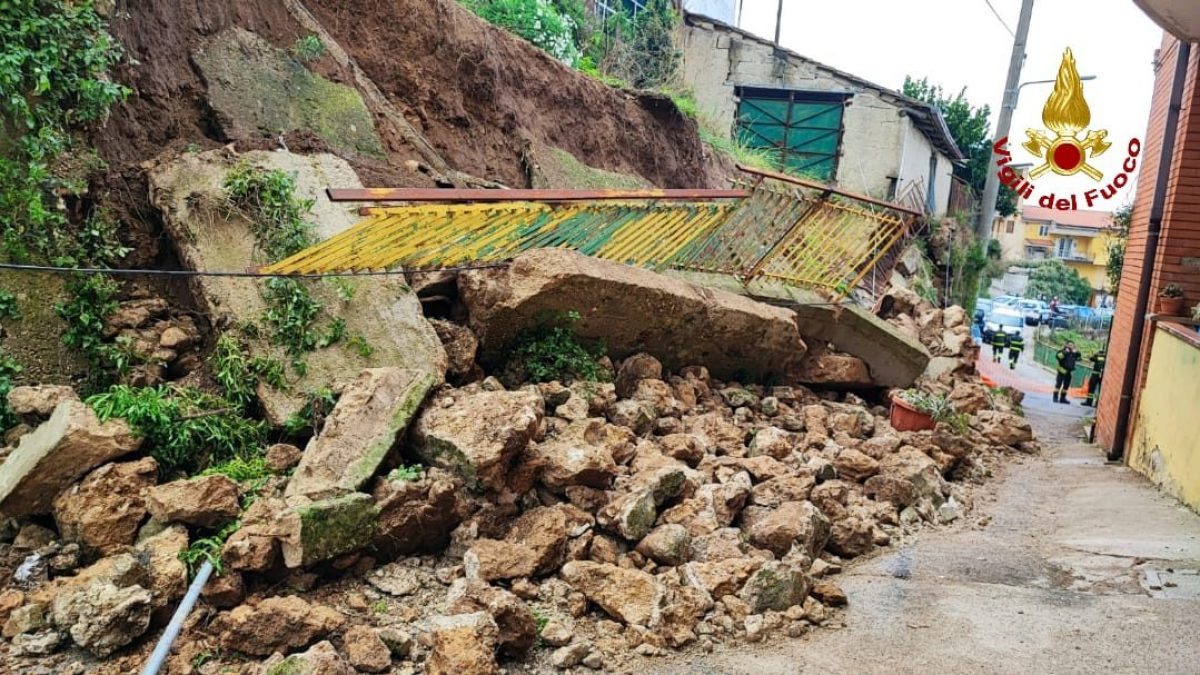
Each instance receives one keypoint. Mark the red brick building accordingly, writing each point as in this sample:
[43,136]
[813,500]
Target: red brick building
[1144,414]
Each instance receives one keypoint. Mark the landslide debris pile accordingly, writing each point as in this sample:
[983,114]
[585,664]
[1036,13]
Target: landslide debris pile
[572,525]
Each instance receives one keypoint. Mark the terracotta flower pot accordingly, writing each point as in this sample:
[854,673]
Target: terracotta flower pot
[904,417]
[1170,306]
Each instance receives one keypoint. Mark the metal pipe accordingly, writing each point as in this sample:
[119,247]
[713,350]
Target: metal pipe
[825,188]
[181,613]
[513,195]
[1157,208]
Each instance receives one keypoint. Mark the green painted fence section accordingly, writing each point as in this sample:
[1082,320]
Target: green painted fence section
[1045,354]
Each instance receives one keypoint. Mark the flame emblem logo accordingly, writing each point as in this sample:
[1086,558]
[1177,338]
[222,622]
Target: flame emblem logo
[1066,113]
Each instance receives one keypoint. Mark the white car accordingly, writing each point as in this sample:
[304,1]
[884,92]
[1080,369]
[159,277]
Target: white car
[1010,320]
[1034,311]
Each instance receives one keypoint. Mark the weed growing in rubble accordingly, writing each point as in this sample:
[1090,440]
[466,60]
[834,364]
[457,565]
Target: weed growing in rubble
[240,470]
[91,298]
[8,305]
[8,369]
[380,607]
[238,375]
[405,473]
[208,548]
[551,351]
[312,414]
[308,48]
[185,430]
[277,219]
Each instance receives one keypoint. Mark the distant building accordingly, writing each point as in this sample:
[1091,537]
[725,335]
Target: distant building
[827,124]
[1080,239]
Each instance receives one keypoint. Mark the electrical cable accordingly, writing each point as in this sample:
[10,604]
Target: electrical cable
[1000,19]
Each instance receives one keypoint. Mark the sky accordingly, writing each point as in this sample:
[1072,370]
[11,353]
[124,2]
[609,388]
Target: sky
[961,43]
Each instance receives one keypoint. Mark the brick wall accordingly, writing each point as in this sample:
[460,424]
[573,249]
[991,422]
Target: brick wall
[1179,241]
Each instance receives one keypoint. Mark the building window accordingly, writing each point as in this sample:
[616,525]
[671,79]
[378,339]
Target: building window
[1044,230]
[1009,229]
[803,127]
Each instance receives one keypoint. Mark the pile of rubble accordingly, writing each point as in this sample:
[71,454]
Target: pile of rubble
[598,519]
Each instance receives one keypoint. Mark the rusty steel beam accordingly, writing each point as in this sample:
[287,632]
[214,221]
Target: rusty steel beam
[477,195]
[826,188]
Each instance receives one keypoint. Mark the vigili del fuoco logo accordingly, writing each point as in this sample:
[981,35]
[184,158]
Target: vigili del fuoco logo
[1059,147]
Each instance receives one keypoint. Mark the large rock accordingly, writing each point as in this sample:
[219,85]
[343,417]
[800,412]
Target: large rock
[207,501]
[517,627]
[278,624]
[61,450]
[370,417]
[168,574]
[478,435]
[385,312]
[855,465]
[102,617]
[462,644]
[1005,428]
[829,369]
[32,403]
[775,585]
[104,510]
[581,454]
[791,524]
[635,369]
[416,516]
[366,651]
[852,536]
[633,310]
[667,545]
[631,596]
[535,544]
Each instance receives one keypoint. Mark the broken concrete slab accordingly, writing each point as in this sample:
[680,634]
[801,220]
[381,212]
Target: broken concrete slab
[325,529]
[56,454]
[384,311]
[370,417]
[895,359]
[256,91]
[633,310]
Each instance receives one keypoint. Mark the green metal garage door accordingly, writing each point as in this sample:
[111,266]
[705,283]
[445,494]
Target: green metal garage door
[804,127]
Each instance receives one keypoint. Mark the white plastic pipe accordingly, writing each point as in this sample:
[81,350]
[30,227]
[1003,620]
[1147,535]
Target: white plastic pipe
[181,613]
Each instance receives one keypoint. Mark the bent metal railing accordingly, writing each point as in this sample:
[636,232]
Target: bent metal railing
[775,227]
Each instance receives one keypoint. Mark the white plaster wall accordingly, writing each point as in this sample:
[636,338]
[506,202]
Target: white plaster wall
[914,167]
[874,131]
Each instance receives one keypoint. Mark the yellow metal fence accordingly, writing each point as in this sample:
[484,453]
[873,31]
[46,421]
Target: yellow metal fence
[798,235]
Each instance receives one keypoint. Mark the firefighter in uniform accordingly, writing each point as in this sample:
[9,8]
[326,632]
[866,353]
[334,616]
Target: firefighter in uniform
[1095,378]
[1016,345]
[999,343]
[1067,357]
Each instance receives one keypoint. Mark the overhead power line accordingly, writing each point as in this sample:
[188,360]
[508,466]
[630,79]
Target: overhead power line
[1000,18]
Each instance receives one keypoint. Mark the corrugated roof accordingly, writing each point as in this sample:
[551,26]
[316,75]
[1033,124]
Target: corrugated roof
[1096,220]
[927,118]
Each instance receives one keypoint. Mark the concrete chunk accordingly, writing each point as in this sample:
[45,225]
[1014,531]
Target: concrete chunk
[370,417]
[326,529]
[56,454]
[633,310]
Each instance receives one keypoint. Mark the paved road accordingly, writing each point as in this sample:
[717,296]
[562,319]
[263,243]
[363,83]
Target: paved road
[1082,568]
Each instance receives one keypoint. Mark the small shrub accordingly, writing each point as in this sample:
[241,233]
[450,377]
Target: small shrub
[380,607]
[939,408]
[238,375]
[308,48]
[538,21]
[8,305]
[9,368]
[91,299]
[551,351]
[185,430]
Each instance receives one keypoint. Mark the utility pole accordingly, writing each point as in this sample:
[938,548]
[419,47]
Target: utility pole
[991,187]
[778,19]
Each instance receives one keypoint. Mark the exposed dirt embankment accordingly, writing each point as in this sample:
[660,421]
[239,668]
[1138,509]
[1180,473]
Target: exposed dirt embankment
[479,96]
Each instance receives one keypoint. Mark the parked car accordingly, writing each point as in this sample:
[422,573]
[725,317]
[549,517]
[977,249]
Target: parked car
[984,304]
[1005,300]
[1010,320]
[1059,320]
[1034,311]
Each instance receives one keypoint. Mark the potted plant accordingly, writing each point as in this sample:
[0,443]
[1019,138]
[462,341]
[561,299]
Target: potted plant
[1170,300]
[912,410]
